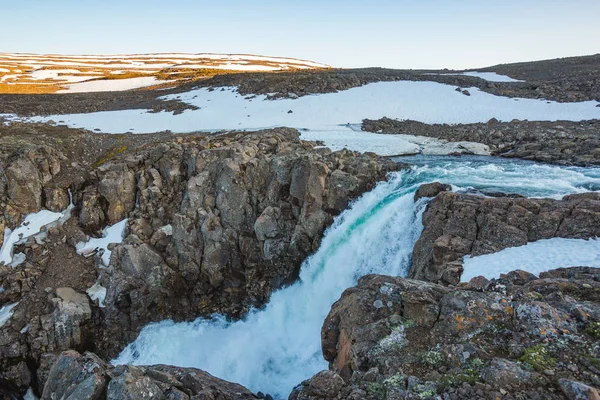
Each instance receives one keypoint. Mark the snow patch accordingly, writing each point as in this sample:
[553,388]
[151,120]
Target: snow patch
[429,102]
[97,292]
[6,312]
[32,225]
[112,85]
[491,76]
[111,234]
[535,257]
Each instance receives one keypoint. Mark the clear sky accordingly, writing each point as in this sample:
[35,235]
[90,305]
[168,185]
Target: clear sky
[344,33]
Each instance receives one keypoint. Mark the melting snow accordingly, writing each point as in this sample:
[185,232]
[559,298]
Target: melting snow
[6,312]
[111,234]
[491,77]
[32,225]
[97,292]
[534,257]
[390,145]
[112,85]
[428,102]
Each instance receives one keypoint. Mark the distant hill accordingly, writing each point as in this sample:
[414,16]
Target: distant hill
[50,73]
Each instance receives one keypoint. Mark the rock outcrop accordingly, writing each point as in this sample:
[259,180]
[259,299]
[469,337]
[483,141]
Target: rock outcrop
[396,338]
[560,142]
[75,376]
[215,224]
[455,225]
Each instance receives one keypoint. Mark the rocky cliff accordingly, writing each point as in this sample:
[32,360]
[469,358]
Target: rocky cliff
[215,224]
[458,224]
[518,337]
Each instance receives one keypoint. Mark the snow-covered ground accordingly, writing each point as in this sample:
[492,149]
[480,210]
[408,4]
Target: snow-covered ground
[534,257]
[491,77]
[111,234]
[486,76]
[22,69]
[429,102]
[112,85]
[328,117]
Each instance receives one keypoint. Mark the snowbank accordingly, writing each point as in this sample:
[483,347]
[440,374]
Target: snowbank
[534,257]
[429,102]
[111,234]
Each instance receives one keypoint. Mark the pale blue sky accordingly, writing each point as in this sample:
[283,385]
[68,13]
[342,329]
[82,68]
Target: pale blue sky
[348,33]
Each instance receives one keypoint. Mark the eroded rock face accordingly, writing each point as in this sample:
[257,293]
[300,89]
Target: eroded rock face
[75,376]
[216,224]
[455,225]
[396,338]
[27,183]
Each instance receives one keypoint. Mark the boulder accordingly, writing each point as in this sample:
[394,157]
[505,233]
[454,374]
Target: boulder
[74,376]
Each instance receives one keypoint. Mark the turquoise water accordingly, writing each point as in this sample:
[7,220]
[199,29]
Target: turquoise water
[277,347]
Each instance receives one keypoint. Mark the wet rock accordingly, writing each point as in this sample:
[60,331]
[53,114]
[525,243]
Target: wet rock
[431,190]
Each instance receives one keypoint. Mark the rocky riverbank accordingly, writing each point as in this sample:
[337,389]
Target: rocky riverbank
[457,224]
[517,337]
[560,142]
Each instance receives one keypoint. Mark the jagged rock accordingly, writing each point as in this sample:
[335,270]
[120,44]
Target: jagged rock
[75,376]
[72,319]
[431,190]
[26,178]
[459,224]
[578,391]
[244,210]
[399,338]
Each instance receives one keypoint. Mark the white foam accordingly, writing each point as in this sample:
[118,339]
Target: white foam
[534,257]
[111,234]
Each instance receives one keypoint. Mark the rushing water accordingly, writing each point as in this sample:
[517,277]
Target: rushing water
[275,348]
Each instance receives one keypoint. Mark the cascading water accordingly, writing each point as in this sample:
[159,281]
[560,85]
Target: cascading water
[275,348]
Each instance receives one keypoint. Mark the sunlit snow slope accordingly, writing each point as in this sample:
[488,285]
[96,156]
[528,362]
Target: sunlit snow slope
[31,73]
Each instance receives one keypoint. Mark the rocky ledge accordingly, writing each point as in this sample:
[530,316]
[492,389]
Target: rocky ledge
[77,377]
[214,224]
[517,337]
[459,224]
[560,142]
